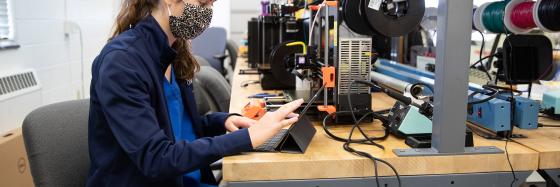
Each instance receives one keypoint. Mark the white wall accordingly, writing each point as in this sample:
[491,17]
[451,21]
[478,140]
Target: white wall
[39,29]
[221,17]
[241,12]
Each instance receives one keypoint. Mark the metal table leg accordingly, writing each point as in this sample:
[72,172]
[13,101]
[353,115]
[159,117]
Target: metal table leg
[498,179]
[552,177]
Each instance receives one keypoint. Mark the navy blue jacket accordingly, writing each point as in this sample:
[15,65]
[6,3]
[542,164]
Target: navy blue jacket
[131,142]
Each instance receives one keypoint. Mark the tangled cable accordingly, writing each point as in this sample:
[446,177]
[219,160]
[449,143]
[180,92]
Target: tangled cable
[366,140]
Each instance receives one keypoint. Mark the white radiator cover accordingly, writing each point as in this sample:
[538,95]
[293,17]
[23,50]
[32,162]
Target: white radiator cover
[18,83]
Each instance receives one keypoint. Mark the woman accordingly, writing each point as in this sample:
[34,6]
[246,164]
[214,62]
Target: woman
[143,127]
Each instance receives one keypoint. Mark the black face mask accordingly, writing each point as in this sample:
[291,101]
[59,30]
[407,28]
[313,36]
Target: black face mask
[192,23]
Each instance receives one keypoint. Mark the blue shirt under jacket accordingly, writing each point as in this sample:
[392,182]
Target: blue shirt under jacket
[181,124]
[131,142]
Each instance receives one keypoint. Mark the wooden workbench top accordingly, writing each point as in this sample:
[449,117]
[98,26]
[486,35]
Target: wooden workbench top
[545,140]
[325,158]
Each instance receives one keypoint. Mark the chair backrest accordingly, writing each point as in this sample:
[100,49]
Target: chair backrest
[204,104]
[56,140]
[216,86]
[201,61]
[210,43]
[232,49]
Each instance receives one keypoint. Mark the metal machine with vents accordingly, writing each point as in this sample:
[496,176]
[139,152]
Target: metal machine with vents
[336,56]
[354,63]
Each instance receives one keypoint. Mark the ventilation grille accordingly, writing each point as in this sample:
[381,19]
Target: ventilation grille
[354,64]
[18,84]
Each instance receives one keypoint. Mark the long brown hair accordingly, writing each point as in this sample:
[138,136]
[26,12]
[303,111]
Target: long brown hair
[132,12]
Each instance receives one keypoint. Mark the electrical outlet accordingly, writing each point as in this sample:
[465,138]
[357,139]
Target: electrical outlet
[69,27]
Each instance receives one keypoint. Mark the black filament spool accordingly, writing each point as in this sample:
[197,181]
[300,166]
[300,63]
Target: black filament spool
[387,22]
[354,18]
[282,61]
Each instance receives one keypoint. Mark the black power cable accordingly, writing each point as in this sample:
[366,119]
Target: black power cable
[481,45]
[374,159]
[505,89]
[249,82]
[510,133]
[556,118]
[367,140]
[494,93]
[542,125]
[356,124]
[509,162]
[481,60]
[484,67]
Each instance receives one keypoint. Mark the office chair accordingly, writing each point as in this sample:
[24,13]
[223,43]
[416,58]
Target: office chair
[232,50]
[203,102]
[211,87]
[216,86]
[201,61]
[56,140]
[211,45]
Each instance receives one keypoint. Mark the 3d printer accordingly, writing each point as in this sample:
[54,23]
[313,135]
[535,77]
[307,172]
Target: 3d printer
[338,52]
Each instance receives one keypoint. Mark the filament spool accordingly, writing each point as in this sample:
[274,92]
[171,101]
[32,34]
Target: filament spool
[493,17]
[354,18]
[515,18]
[478,18]
[547,15]
[385,21]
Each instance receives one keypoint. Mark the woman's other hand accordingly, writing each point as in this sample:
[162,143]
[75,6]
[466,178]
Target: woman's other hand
[234,123]
[272,122]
